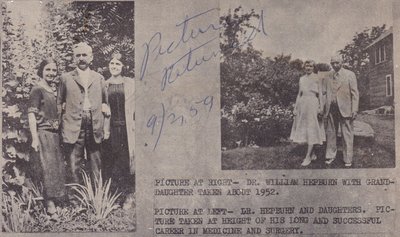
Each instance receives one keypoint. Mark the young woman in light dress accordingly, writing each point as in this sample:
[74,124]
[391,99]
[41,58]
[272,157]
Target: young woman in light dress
[307,126]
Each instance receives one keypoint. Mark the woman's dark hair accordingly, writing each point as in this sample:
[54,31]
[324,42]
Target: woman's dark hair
[43,64]
[120,57]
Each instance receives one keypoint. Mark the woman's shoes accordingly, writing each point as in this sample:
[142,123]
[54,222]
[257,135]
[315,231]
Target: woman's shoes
[51,207]
[306,161]
[129,202]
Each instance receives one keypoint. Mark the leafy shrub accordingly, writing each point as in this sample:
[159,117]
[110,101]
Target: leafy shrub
[71,219]
[14,216]
[257,98]
[256,122]
[18,209]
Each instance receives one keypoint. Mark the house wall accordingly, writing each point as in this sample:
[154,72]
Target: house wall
[377,73]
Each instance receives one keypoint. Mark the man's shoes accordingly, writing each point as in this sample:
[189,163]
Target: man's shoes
[347,165]
[329,161]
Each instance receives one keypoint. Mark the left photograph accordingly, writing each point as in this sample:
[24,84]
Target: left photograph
[68,116]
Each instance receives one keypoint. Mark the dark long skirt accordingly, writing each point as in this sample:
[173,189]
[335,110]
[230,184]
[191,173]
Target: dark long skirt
[50,166]
[115,160]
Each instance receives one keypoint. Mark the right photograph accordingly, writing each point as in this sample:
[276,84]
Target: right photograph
[307,85]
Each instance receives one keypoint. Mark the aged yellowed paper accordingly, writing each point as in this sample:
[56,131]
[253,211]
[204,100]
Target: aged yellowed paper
[200,118]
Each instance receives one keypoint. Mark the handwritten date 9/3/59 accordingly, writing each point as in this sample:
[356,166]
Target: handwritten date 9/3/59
[158,122]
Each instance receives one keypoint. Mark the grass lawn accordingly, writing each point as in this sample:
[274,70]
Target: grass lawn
[368,153]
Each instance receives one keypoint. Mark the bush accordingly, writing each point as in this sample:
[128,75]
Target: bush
[18,209]
[24,211]
[257,97]
[258,123]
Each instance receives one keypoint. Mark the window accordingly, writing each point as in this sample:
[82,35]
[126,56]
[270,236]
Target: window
[380,54]
[389,85]
[383,53]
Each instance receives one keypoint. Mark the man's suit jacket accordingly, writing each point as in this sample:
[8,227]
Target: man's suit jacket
[70,99]
[347,93]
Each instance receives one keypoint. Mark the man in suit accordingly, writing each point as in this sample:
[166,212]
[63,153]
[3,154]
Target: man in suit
[82,105]
[341,108]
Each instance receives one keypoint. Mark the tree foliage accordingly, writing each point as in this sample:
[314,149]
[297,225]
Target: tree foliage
[356,59]
[257,92]
[106,26]
[17,74]
[236,25]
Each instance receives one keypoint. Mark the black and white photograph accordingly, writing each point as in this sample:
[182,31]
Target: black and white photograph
[68,116]
[194,118]
[307,85]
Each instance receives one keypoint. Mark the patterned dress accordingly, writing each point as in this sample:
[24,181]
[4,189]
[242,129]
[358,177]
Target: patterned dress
[307,128]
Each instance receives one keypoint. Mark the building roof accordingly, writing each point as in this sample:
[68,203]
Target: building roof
[382,36]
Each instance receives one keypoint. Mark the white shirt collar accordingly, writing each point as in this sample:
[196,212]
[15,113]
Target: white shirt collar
[81,72]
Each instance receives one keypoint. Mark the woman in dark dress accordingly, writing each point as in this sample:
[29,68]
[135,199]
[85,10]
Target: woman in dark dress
[43,125]
[118,161]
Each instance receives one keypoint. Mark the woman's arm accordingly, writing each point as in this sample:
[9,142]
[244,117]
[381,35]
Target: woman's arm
[61,97]
[33,129]
[298,98]
[35,99]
